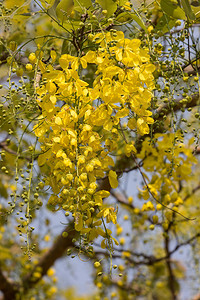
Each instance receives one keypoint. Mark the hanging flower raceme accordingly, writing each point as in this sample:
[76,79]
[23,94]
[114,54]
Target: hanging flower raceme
[124,82]
[170,162]
[78,123]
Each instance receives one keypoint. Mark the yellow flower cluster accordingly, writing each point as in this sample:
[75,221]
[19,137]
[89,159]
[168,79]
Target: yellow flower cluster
[170,161]
[78,127]
[124,82]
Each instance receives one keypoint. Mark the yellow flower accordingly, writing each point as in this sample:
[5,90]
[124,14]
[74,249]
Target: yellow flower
[32,58]
[150,28]
[50,272]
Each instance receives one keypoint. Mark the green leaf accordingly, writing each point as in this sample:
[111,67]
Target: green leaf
[108,5]
[122,2]
[196,10]
[65,47]
[72,24]
[48,3]
[187,9]
[127,16]
[64,9]
[82,5]
[165,24]
[172,9]
[138,21]
[52,9]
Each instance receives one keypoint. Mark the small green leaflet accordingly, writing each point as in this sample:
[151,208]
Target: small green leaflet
[48,3]
[108,5]
[165,24]
[82,5]
[127,16]
[187,9]
[172,9]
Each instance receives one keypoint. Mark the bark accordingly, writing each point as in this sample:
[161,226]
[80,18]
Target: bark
[171,276]
[8,289]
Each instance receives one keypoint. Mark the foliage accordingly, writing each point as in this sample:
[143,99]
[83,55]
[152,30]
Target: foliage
[95,95]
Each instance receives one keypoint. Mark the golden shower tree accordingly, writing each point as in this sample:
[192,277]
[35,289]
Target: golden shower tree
[99,120]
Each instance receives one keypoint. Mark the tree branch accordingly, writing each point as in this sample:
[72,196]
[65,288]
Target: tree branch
[148,260]
[8,289]
[165,109]
[171,276]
